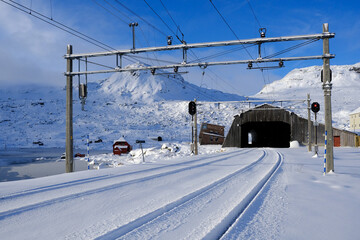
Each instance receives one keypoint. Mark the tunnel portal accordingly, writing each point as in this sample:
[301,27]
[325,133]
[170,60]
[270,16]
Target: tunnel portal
[265,134]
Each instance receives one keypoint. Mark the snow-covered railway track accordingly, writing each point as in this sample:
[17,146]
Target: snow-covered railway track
[191,216]
[192,200]
[91,181]
[226,231]
[40,197]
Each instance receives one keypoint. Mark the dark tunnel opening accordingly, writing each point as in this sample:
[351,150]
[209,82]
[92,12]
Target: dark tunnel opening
[265,134]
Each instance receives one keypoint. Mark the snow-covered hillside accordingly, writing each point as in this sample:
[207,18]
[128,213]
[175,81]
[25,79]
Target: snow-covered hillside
[142,86]
[299,82]
[139,105]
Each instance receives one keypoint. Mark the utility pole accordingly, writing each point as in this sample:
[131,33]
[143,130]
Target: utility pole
[309,123]
[316,148]
[192,131]
[326,56]
[69,113]
[329,154]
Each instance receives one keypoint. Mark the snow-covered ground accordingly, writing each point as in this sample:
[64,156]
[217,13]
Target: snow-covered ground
[192,197]
[139,105]
[233,193]
[299,82]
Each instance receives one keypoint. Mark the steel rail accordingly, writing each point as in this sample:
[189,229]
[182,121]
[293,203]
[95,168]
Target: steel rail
[202,64]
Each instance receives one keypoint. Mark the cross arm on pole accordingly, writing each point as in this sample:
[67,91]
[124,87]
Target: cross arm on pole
[324,35]
[202,64]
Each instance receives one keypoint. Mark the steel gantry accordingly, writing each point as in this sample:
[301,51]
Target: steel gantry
[326,56]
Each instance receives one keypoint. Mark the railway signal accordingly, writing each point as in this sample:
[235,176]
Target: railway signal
[192,108]
[315,107]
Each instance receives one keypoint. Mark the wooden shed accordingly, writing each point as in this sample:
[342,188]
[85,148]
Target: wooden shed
[121,146]
[211,134]
[269,126]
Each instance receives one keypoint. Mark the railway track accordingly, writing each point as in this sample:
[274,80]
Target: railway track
[197,198]
[29,199]
[167,219]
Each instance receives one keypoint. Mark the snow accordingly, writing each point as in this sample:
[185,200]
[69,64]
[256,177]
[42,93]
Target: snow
[294,144]
[299,82]
[171,194]
[135,105]
[122,139]
[192,197]
[139,105]
[356,111]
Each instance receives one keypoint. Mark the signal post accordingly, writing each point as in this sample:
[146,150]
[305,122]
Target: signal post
[192,112]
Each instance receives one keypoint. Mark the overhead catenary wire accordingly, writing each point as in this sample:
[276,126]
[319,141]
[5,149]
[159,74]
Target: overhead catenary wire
[217,10]
[107,10]
[223,53]
[141,18]
[58,25]
[95,63]
[156,59]
[292,48]
[168,12]
[253,12]
[65,28]
[118,10]
[51,10]
[132,20]
[162,20]
[182,40]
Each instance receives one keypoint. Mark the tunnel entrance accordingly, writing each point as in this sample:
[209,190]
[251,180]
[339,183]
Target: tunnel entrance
[265,134]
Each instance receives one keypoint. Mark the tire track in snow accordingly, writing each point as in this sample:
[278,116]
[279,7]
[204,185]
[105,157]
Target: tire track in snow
[101,189]
[101,178]
[124,231]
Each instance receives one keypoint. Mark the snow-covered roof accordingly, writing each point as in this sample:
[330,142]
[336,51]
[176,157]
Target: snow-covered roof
[122,139]
[122,147]
[355,111]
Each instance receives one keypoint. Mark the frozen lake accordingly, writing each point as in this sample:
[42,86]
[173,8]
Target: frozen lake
[26,163]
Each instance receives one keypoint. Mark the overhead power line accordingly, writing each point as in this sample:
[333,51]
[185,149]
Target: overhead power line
[58,25]
[117,10]
[144,20]
[177,26]
[152,9]
[107,10]
[217,10]
[292,48]
[66,28]
[253,12]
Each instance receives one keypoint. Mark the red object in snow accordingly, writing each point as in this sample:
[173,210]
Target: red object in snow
[79,155]
[121,146]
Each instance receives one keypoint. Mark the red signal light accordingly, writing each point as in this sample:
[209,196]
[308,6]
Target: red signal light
[315,107]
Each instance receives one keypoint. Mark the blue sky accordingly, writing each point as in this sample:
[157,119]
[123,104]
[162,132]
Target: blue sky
[32,51]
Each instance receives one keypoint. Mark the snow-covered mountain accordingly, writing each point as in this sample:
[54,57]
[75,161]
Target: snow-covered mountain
[299,82]
[139,105]
[142,86]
